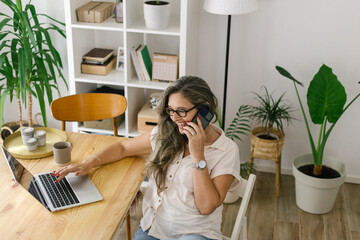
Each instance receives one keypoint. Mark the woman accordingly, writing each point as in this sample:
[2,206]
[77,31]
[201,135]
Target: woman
[190,169]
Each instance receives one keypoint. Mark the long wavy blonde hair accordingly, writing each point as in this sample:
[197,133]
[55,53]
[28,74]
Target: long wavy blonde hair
[169,141]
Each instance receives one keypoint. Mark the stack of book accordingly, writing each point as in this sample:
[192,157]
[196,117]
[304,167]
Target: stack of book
[98,61]
[142,62]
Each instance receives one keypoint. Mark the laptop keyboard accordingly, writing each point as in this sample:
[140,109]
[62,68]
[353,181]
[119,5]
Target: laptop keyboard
[60,193]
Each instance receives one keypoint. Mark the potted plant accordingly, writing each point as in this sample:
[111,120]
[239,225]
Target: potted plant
[267,139]
[29,63]
[316,188]
[240,125]
[156,14]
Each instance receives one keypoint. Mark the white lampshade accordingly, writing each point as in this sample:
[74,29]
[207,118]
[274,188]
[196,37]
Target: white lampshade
[230,7]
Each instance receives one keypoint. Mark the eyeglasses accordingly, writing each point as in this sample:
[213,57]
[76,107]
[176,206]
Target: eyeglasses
[181,112]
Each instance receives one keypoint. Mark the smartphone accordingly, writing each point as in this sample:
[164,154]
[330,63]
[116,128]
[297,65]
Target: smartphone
[205,116]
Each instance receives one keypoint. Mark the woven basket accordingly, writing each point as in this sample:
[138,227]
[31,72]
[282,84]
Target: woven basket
[10,127]
[264,148]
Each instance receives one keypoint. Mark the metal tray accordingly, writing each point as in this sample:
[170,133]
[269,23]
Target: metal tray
[15,146]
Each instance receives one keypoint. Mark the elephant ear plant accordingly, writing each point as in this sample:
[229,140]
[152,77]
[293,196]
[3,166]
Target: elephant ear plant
[29,63]
[326,98]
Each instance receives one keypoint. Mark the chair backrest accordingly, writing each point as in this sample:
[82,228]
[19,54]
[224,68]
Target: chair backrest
[89,107]
[244,190]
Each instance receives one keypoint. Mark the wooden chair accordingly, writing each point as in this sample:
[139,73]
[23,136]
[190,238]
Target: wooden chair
[244,190]
[91,107]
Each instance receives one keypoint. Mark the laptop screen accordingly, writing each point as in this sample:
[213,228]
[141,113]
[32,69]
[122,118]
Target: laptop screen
[19,172]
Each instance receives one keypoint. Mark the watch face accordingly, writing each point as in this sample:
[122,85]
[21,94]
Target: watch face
[202,164]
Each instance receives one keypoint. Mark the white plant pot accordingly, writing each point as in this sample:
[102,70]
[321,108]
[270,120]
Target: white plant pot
[156,16]
[317,195]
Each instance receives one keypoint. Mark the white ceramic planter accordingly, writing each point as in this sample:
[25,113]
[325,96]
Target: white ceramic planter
[156,16]
[316,195]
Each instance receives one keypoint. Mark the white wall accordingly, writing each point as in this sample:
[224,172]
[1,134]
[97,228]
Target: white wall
[297,35]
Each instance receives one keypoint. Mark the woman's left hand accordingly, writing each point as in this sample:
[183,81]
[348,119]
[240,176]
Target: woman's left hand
[196,135]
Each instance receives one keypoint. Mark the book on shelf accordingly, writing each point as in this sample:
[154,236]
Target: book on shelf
[145,63]
[135,60]
[98,55]
[147,60]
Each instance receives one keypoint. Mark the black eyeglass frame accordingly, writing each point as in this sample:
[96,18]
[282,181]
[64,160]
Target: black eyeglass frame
[168,110]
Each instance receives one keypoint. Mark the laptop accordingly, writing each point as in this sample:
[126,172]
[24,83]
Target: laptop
[70,192]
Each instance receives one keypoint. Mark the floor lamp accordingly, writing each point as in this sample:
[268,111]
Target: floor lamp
[228,7]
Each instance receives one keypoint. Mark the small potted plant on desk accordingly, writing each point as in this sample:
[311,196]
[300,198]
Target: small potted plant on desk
[156,14]
[317,176]
[267,140]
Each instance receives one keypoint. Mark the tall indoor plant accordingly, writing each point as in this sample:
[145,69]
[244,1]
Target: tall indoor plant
[29,63]
[326,98]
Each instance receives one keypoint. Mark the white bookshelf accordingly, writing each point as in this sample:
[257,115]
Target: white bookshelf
[179,38]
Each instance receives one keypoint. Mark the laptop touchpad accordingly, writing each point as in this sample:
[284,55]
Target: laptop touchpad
[84,188]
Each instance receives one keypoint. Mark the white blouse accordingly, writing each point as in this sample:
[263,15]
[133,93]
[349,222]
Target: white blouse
[173,213]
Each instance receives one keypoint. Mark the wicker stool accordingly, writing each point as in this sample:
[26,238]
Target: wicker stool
[268,150]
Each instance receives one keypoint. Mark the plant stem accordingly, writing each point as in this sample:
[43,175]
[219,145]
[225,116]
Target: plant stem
[306,122]
[30,110]
[20,112]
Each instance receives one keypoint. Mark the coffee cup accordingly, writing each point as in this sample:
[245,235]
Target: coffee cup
[62,153]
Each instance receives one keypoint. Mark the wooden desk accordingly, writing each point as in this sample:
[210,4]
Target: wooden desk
[22,217]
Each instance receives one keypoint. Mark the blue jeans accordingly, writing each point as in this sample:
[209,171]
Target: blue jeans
[141,235]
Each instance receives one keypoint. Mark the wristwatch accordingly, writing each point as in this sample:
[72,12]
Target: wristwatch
[200,165]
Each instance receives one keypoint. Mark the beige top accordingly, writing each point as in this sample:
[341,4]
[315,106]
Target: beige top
[174,213]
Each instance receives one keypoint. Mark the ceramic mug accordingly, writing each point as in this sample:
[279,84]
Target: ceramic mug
[62,153]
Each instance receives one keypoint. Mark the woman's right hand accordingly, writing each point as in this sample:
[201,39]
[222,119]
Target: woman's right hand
[79,169]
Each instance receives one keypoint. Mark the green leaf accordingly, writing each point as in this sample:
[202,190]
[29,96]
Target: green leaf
[286,74]
[18,4]
[240,124]
[61,23]
[326,96]
[55,28]
[2,101]
[30,32]
[40,97]
[14,53]
[22,74]
[3,43]
[3,23]
[16,22]
[33,13]
[2,57]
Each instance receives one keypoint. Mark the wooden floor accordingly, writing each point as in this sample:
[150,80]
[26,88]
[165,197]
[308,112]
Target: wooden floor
[271,218]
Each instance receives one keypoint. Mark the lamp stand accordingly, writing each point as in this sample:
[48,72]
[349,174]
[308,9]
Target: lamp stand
[226,71]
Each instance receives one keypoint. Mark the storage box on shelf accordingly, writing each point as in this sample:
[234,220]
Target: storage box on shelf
[102,69]
[147,118]
[177,39]
[94,12]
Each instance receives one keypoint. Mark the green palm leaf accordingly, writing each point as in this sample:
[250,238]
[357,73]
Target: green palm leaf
[240,124]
